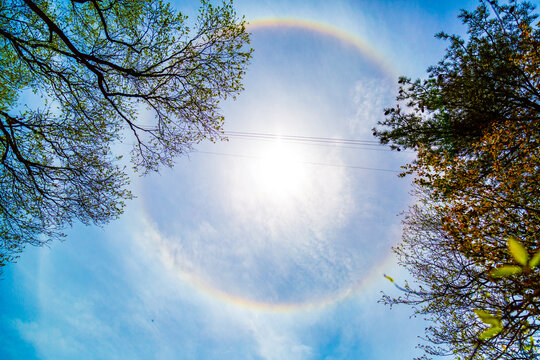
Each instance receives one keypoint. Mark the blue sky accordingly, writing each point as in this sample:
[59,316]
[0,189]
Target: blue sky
[252,249]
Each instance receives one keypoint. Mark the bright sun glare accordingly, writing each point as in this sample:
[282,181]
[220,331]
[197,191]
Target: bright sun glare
[279,172]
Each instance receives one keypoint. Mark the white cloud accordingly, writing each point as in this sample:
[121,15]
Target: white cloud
[48,342]
[370,97]
[277,343]
[65,327]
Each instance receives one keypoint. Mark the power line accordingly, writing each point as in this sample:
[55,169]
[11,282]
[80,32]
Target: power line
[300,162]
[254,135]
[354,147]
[356,144]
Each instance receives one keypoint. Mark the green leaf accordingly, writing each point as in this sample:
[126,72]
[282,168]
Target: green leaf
[505,271]
[489,333]
[487,318]
[389,278]
[517,251]
[535,260]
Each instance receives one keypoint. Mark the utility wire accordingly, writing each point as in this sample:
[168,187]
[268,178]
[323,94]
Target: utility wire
[242,134]
[300,162]
[356,144]
[354,147]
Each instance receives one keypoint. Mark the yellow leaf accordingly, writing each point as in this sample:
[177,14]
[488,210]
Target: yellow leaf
[535,260]
[505,271]
[518,252]
[489,333]
[487,318]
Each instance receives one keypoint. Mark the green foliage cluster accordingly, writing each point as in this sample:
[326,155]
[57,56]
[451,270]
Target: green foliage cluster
[473,87]
[103,68]
[475,123]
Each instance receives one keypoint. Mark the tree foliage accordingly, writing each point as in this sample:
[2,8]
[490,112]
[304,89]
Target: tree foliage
[490,77]
[475,123]
[100,69]
[451,287]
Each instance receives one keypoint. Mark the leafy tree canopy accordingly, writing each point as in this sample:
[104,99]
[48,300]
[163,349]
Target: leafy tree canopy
[475,123]
[474,314]
[483,80]
[103,68]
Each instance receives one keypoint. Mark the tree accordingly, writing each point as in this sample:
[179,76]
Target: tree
[478,212]
[102,69]
[484,208]
[478,83]
[476,127]
[452,288]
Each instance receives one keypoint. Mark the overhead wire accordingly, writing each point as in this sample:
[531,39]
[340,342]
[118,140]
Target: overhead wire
[356,144]
[299,162]
[309,140]
[301,138]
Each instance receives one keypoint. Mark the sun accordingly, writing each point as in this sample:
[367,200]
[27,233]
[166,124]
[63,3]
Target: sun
[280,171]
